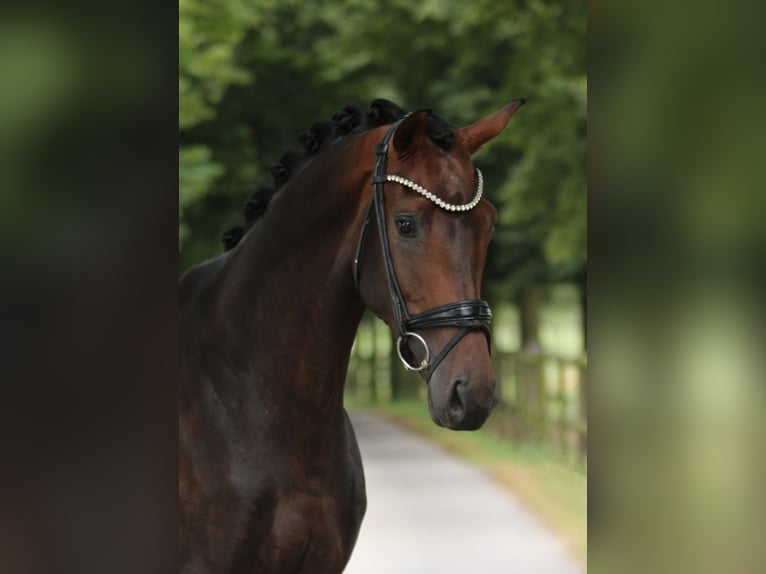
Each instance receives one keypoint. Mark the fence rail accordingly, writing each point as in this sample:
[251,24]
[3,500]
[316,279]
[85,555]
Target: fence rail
[541,396]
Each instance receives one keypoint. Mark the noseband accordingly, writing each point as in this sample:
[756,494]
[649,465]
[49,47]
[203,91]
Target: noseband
[467,315]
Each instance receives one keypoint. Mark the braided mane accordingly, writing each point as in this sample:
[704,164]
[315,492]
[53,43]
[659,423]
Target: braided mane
[350,120]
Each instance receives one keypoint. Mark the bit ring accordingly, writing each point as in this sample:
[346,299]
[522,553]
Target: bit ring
[424,363]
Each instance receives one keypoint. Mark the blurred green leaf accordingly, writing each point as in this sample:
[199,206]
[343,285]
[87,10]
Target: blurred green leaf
[254,75]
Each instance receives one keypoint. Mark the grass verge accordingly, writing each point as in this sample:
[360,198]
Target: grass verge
[555,493]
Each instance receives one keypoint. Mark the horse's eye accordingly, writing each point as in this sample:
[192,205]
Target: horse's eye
[405,226]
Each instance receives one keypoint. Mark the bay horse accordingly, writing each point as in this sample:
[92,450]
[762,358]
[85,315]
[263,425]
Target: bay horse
[270,475]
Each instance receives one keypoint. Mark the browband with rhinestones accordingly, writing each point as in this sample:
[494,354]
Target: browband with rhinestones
[443,204]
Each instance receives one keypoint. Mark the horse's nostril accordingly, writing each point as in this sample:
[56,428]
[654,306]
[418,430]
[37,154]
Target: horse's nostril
[456,401]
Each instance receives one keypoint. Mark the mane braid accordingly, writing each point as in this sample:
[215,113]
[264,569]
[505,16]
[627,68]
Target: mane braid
[285,167]
[319,134]
[256,204]
[232,237]
[349,120]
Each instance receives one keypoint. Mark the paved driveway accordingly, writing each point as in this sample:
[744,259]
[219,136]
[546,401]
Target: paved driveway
[429,512]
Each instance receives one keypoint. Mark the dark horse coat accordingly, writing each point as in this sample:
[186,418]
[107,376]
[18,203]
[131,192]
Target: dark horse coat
[271,478]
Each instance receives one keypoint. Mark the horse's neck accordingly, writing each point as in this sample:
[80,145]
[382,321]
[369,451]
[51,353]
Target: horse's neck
[290,295]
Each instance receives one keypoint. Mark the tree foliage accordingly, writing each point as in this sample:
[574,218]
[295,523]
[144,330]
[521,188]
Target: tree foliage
[255,74]
[209,33]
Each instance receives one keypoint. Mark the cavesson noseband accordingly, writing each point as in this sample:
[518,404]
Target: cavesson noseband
[467,315]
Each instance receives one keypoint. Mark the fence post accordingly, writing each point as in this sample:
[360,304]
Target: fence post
[352,388]
[532,393]
[583,400]
[371,359]
[561,397]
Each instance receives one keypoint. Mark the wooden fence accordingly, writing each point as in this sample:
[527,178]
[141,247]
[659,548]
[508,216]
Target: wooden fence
[541,396]
[543,399]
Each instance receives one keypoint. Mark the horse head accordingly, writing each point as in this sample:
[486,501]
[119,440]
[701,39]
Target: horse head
[423,276]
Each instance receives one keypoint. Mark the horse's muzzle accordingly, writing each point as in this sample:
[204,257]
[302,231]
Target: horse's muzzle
[464,409]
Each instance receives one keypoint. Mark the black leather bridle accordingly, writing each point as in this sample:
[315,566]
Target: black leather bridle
[467,315]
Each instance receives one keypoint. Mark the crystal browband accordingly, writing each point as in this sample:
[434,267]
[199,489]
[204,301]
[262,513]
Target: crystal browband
[443,204]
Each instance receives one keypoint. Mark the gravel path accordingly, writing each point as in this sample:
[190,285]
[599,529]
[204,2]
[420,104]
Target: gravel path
[430,512]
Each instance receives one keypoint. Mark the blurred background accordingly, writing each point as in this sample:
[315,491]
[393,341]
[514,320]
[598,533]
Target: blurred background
[89,242]
[255,74]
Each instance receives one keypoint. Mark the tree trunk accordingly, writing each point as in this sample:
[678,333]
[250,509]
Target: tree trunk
[583,288]
[529,301]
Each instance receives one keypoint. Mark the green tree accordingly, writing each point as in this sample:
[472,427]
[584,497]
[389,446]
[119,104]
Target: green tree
[254,75]
[208,34]
[465,59]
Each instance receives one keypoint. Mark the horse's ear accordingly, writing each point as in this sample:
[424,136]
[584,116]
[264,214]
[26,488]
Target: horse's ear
[411,132]
[479,133]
